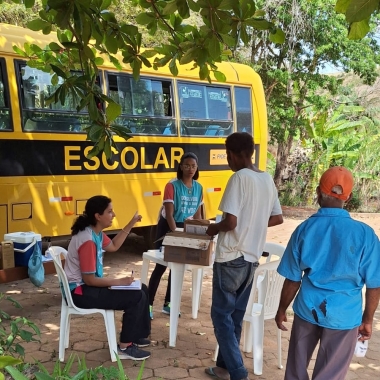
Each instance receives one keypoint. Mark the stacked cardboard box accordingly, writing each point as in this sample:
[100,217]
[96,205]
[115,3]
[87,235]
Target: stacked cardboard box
[192,246]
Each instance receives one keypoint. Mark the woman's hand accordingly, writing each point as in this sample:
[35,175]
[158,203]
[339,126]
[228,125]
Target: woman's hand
[136,218]
[126,280]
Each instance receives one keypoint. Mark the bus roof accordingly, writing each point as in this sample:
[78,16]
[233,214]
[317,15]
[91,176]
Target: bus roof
[11,35]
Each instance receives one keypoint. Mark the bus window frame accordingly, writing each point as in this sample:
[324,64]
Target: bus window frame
[212,122]
[7,99]
[252,127]
[171,120]
[19,64]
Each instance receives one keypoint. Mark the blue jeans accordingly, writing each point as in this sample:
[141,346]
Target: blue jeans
[231,287]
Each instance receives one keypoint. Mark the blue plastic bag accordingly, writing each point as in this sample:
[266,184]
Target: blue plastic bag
[36,270]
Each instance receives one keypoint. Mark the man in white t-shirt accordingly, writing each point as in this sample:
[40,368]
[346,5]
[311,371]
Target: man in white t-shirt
[250,205]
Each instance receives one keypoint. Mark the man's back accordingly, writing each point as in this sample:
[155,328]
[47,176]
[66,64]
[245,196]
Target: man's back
[252,197]
[338,255]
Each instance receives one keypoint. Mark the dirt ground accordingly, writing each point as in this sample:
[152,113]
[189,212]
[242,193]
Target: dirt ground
[195,341]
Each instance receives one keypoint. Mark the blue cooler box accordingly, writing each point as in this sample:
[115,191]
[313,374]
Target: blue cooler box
[23,246]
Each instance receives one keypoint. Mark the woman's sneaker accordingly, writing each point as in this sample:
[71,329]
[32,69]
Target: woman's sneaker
[132,352]
[151,311]
[142,342]
[166,309]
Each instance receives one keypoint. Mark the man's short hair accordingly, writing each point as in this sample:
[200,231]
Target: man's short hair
[240,143]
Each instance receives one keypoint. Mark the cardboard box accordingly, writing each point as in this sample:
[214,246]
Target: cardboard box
[7,258]
[197,226]
[183,247]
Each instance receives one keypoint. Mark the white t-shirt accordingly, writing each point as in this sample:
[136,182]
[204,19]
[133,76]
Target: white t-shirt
[252,197]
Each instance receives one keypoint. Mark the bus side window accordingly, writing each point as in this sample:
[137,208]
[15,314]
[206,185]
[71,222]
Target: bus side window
[37,114]
[5,117]
[146,104]
[204,110]
[243,103]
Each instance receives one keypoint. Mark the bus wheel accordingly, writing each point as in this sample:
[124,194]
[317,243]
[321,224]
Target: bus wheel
[149,234]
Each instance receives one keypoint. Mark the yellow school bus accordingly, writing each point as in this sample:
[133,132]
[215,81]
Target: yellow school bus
[45,177]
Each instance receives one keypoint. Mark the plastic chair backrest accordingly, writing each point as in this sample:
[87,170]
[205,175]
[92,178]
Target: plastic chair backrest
[276,251]
[55,252]
[273,294]
[258,291]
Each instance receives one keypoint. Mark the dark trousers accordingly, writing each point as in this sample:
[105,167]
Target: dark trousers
[135,303]
[334,354]
[162,229]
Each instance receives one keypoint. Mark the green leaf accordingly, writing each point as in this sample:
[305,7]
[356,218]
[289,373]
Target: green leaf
[359,10]
[8,360]
[170,8]
[358,30]
[37,24]
[43,376]
[173,67]
[99,61]
[342,5]
[214,47]
[219,76]
[58,71]
[111,43]
[107,148]
[19,51]
[227,4]
[113,110]
[259,24]
[145,18]
[29,3]
[55,47]
[278,37]
[259,13]
[15,373]
[203,72]
[95,132]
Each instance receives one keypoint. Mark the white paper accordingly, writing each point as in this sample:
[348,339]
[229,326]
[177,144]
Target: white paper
[136,285]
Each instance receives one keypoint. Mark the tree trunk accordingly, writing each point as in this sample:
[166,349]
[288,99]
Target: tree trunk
[283,151]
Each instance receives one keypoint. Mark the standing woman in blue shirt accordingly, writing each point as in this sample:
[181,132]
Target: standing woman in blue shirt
[182,200]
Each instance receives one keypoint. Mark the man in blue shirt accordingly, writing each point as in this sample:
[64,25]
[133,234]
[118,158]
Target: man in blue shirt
[328,260]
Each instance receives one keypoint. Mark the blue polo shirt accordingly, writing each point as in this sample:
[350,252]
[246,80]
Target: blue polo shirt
[334,256]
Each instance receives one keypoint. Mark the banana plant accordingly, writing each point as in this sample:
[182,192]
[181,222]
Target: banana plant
[335,137]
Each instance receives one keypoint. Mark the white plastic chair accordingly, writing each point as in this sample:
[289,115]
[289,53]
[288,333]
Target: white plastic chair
[68,308]
[262,305]
[275,251]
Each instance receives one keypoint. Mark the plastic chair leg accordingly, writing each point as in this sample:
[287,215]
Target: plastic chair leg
[144,271]
[216,352]
[258,343]
[279,352]
[197,275]
[68,324]
[109,319]
[63,336]
[247,336]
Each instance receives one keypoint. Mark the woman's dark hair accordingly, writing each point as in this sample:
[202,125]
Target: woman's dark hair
[179,170]
[94,205]
[241,144]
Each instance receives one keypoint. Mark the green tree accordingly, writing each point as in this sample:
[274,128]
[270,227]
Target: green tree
[292,73]
[358,15]
[87,29]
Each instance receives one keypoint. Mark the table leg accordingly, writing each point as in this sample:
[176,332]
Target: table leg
[197,275]
[178,272]
[144,271]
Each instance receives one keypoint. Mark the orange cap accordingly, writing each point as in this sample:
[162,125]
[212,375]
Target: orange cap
[337,176]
